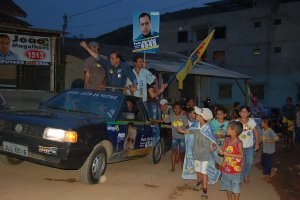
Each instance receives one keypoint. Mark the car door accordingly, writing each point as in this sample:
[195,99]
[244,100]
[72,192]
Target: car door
[133,134]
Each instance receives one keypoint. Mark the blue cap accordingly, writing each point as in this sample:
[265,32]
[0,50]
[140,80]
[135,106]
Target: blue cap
[94,44]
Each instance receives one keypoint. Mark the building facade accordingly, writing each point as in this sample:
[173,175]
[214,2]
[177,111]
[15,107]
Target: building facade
[257,38]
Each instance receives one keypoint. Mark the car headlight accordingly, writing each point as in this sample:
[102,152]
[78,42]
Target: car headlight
[60,135]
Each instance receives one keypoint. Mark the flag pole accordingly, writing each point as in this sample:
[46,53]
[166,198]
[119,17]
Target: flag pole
[144,59]
[192,60]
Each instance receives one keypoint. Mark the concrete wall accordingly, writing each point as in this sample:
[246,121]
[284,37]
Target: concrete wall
[25,99]
[74,70]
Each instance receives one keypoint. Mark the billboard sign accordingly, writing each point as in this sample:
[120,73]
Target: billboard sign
[24,49]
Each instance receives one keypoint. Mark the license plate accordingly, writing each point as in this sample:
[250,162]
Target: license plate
[15,148]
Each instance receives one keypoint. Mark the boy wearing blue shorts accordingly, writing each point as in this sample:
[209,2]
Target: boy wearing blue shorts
[177,119]
[232,166]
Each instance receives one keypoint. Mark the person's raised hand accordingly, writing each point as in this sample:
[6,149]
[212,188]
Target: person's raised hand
[163,87]
[83,44]
[179,129]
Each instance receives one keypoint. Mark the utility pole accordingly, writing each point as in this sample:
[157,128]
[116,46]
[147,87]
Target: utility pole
[64,27]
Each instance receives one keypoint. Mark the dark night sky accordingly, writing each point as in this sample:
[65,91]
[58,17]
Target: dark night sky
[102,16]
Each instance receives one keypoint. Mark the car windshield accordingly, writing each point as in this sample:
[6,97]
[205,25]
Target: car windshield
[102,104]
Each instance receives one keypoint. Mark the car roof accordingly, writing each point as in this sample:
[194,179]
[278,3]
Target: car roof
[106,92]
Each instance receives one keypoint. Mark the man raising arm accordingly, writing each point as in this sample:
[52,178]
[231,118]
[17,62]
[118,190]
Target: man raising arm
[117,71]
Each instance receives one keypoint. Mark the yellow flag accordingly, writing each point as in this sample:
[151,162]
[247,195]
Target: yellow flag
[193,59]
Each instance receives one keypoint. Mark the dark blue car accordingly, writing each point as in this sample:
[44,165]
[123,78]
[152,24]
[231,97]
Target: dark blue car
[81,129]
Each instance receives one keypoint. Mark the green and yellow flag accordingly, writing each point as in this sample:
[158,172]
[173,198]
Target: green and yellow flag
[193,60]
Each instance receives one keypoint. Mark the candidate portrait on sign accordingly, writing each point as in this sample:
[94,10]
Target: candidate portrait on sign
[5,53]
[145,32]
[145,27]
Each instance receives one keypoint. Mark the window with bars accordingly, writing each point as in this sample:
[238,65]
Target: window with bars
[257,24]
[277,21]
[219,57]
[182,36]
[277,49]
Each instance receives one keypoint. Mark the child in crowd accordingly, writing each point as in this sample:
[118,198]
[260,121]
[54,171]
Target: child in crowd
[202,146]
[191,117]
[288,131]
[219,126]
[232,165]
[269,138]
[190,103]
[247,137]
[177,119]
[234,114]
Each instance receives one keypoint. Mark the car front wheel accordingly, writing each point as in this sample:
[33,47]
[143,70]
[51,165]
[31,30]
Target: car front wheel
[95,166]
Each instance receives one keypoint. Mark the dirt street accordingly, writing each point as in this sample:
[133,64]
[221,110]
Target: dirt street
[287,182]
[136,179]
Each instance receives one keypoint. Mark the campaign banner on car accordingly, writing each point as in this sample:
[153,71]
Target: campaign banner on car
[24,49]
[146,32]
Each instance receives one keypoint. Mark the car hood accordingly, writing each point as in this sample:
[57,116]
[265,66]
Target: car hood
[51,118]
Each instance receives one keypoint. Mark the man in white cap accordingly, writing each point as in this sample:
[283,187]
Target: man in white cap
[94,72]
[164,107]
[203,140]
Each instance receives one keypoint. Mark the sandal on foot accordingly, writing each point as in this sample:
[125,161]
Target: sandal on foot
[197,187]
[204,195]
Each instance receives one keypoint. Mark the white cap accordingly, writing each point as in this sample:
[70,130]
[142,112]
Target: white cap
[204,112]
[163,102]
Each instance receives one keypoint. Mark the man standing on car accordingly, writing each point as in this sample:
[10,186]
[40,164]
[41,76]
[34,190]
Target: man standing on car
[94,72]
[144,79]
[117,71]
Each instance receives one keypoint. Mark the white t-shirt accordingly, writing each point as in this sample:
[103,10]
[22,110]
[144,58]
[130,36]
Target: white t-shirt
[145,77]
[247,135]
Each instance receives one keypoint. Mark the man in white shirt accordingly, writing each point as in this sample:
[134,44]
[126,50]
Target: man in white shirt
[144,77]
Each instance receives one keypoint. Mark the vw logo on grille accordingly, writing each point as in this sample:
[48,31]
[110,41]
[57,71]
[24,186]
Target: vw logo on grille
[18,128]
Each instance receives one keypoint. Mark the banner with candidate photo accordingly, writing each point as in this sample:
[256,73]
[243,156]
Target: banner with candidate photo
[146,32]
[24,49]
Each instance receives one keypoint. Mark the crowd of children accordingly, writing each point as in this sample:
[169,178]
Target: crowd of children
[235,139]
